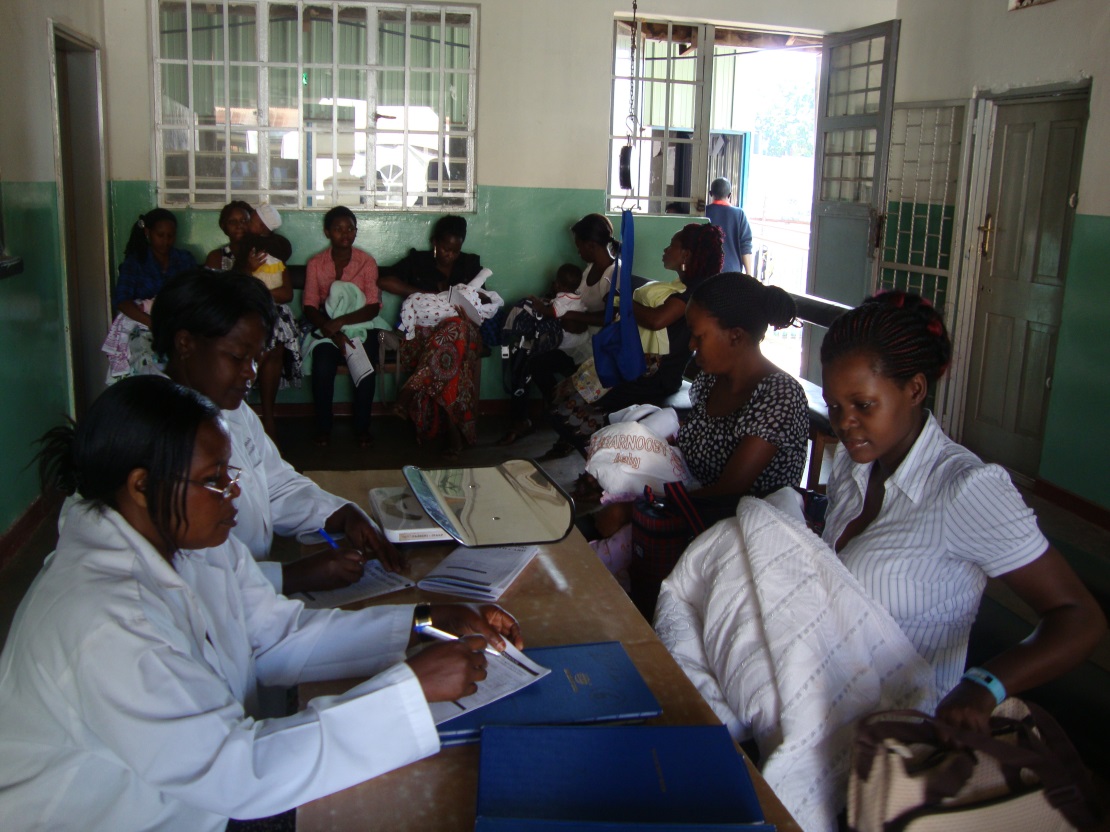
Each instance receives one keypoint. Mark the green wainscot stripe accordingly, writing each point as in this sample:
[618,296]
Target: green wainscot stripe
[32,340]
[1075,455]
[522,235]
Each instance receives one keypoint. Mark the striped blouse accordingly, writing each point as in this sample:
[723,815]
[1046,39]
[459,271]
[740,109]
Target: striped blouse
[948,522]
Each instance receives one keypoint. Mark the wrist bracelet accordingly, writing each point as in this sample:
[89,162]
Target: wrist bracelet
[421,617]
[988,680]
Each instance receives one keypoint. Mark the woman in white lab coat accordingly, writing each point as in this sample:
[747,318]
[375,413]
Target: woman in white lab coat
[214,327]
[128,678]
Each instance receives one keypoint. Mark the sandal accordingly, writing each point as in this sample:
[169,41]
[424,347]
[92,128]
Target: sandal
[517,431]
[323,439]
[365,440]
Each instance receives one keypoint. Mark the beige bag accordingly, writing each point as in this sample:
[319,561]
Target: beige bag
[913,773]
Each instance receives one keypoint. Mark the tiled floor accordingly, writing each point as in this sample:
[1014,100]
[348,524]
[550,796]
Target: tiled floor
[1081,700]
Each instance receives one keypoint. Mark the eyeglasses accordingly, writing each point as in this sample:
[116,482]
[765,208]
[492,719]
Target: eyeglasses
[233,475]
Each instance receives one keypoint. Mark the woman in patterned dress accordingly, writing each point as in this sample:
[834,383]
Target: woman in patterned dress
[440,395]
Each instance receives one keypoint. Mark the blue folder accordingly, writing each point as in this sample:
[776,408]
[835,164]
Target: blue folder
[587,683]
[650,777]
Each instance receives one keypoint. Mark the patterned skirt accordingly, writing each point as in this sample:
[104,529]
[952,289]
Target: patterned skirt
[576,419]
[442,362]
[288,333]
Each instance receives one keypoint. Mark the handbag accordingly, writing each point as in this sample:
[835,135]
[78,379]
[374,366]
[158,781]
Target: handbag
[618,353]
[912,772]
[661,530]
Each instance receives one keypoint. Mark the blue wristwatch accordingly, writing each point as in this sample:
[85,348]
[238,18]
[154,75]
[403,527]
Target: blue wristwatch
[988,680]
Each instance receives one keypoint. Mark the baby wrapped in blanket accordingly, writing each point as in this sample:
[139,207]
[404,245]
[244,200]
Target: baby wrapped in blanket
[428,309]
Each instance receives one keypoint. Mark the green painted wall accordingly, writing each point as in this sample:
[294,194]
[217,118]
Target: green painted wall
[33,374]
[1075,456]
[522,234]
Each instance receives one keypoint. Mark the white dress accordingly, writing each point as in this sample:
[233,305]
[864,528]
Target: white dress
[126,690]
[274,498]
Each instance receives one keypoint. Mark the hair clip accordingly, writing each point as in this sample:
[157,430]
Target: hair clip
[140,223]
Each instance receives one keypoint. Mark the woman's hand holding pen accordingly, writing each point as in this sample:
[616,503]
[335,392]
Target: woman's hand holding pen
[330,569]
[450,669]
[363,536]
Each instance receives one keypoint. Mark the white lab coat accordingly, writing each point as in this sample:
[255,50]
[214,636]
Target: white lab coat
[274,498]
[126,687]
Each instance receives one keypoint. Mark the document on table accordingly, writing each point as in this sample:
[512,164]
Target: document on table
[507,672]
[375,581]
[481,573]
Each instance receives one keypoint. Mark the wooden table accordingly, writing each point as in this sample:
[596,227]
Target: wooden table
[565,596]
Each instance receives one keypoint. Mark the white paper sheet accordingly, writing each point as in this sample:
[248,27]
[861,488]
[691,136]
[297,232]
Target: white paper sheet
[480,573]
[375,581]
[507,672]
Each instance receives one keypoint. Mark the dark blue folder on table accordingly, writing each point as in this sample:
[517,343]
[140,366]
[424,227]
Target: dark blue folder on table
[662,778]
[587,683]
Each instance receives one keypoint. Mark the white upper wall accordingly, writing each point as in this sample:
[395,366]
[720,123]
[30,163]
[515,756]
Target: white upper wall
[26,115]
[545,69]
[953,48]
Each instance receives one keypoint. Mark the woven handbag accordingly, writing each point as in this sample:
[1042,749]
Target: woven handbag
[661,530]
[911,772]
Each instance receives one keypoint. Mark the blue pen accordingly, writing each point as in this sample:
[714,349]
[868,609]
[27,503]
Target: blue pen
[330,540]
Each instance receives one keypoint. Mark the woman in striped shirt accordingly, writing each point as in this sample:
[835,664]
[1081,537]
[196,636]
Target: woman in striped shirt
[922,522]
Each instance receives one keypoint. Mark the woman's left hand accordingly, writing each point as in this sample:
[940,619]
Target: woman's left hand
[611,518]
[490,621]
[968,706]
[363,536]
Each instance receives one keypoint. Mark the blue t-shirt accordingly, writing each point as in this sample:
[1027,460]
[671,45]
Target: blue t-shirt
[738,233]
[141,279]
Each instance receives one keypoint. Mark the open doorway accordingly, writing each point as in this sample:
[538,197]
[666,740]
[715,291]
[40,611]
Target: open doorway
[79,145]
[774,102]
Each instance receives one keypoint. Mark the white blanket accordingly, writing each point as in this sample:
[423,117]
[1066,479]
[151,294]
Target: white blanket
[788,649]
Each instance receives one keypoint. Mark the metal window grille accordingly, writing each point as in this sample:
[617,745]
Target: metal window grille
[923,186]
[314,103]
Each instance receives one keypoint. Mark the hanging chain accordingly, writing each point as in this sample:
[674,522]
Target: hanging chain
[632,80]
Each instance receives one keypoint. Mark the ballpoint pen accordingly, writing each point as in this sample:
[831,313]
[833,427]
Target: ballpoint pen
[443,635]
[327,537]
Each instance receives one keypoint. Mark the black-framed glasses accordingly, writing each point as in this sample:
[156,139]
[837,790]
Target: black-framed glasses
[231,472]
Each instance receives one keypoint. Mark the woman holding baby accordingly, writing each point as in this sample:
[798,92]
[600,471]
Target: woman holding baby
[749,425]
[440,395]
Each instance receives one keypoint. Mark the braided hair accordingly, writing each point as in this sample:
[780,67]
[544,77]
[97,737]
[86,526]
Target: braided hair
[904,332]
[739,300]
[706,244]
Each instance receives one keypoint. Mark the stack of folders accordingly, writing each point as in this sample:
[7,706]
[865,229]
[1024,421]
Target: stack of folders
[588,683]
[481,574]
[662,778]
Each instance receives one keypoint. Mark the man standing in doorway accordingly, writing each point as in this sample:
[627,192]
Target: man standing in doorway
[738,233]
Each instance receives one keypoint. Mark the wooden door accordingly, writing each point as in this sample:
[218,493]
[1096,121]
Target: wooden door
[1025,234]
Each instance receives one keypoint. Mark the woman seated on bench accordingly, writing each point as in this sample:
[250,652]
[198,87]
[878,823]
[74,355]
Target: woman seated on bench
[749,426]
[695,253]
[439,396]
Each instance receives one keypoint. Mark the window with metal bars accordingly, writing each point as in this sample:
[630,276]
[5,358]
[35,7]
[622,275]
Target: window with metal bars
[315,104]
[692,122]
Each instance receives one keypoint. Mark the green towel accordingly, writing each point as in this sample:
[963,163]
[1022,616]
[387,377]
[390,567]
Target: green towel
[343,299]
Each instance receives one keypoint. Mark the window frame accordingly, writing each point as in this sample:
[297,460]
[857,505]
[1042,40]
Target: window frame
[442,189]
